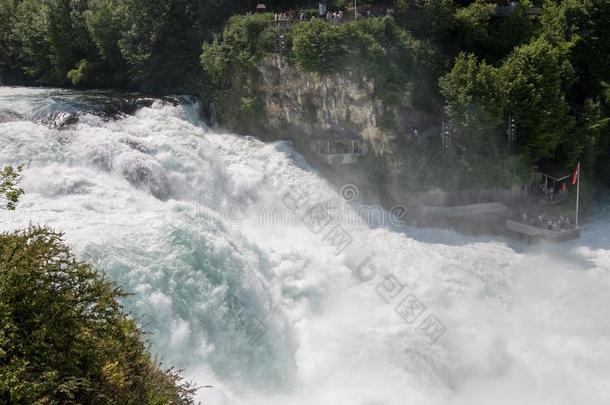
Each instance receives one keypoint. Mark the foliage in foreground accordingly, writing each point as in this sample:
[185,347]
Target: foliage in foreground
[10,192]
[63,335]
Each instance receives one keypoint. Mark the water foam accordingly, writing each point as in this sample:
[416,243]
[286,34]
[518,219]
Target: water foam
[154,200]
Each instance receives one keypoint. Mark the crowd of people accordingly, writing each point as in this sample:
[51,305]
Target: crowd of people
[289,16]
[552,223]
[334,18]
[549,193]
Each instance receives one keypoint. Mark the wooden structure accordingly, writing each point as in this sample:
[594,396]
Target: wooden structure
[552,181]
[535,233]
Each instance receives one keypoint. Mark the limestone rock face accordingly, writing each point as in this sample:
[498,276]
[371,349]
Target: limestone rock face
[312,103]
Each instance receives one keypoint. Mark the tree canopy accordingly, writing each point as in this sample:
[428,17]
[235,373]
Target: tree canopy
[546,64]
[63,335]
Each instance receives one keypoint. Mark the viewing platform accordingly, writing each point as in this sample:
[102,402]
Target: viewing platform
[505,11]
[535,233]
[549,185]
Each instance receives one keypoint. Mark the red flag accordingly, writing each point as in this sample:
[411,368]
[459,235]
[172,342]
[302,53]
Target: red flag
[576,174]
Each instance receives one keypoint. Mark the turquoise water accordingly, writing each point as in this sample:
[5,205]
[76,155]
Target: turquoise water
[274,312]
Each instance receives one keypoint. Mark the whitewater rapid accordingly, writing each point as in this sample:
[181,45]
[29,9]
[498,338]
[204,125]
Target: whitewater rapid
[210,232]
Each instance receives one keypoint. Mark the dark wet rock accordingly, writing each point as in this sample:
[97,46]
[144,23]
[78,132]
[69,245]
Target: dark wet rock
[9,116]
[60,119]
[136,144]
[64,108]
[144,172]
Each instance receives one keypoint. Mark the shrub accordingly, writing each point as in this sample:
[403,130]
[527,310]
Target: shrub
[63,335]
[318,47]
[79,75]
[10,192]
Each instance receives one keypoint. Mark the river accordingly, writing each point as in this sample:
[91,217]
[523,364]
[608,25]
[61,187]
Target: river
[251,292]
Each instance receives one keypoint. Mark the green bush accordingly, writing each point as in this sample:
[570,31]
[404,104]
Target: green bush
[244,40]
[10,192]
[64,338]
[318,47]
[369,43]
[79,75]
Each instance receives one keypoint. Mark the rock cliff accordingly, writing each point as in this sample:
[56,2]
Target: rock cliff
[308,103]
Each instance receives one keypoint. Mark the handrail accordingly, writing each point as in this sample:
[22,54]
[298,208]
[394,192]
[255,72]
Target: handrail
[342,20]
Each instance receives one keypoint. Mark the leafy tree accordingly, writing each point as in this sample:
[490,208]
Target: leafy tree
[30,33]
[376,46]
[63,335]
[583,24]
[10,192]
[536,76]
[317,46]
[510,31]
[50,38]
[9,52]
[80,74]
[229,63]
[592,137]
[106,21]
[472,25]
[150,45]
[475,103]
[161,40]
[472,89]
[429,19]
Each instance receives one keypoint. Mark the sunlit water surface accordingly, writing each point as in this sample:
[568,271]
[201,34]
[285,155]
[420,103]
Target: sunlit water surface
[270,312]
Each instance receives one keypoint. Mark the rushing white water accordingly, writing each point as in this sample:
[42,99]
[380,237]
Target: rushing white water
[158,202]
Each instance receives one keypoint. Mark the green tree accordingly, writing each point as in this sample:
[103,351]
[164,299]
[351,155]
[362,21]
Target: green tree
[63,335]
[472,26]
[9,51]
[510,31]
[161,40]
[10,192]
[429,19]
[106,21]
[583,24]
[475,105]
[536,76]
[591,136]
[30,34]
[229,63]
[472,89]
[317,46]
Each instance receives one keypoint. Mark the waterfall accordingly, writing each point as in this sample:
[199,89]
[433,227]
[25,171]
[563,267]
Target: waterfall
[250,293]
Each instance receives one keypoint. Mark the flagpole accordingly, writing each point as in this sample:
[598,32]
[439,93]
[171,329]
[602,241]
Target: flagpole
[577,190]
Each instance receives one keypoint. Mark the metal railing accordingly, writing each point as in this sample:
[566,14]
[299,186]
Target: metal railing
[504,11]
